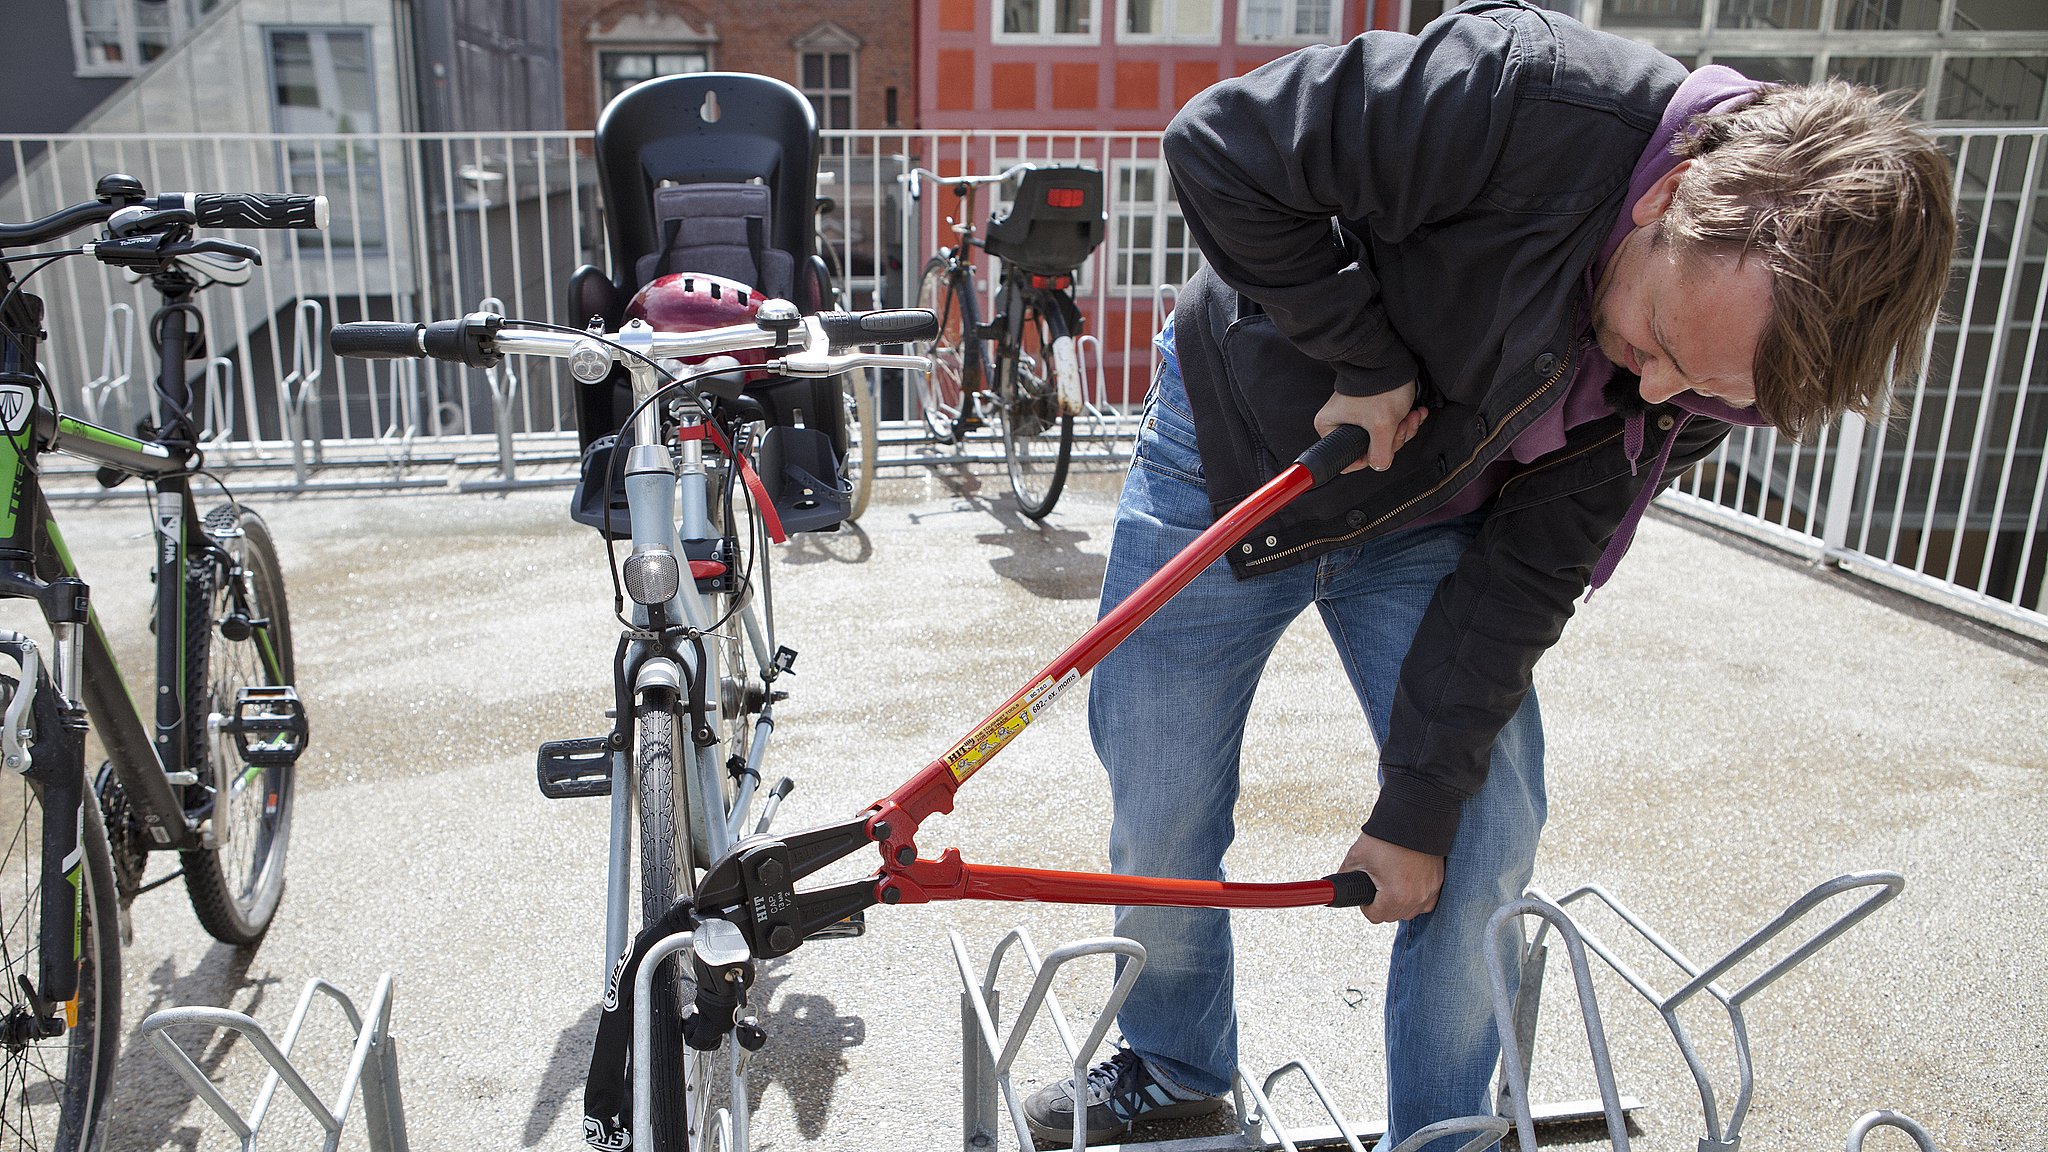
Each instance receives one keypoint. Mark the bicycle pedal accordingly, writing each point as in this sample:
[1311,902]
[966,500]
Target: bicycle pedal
[269,725]
[571,768]
[847,929]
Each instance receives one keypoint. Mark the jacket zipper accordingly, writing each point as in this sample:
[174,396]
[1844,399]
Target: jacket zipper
[1563,368]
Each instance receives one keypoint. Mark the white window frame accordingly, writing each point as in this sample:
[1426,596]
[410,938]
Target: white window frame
[1291,10]
[184,15]
[1161,211]
[1046,9]
[1213,36]
[826,41]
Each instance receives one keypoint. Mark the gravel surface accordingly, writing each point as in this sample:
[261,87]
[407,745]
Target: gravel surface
[1726,731]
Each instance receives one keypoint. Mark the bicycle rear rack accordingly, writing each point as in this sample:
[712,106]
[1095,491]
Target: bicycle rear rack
[373,1063]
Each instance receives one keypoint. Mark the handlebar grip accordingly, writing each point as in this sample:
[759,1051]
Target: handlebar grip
[892,326]
[377,340]
[258,210]
[1329,456]
[1354,889]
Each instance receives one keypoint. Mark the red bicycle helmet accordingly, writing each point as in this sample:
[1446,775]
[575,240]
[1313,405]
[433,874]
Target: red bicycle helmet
[695,301]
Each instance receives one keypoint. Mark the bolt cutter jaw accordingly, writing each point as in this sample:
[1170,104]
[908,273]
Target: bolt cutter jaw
[754,886]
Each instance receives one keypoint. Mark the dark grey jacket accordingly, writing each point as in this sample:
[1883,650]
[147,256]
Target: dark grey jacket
[1471,174]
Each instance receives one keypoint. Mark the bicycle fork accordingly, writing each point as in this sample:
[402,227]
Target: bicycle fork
[44,741]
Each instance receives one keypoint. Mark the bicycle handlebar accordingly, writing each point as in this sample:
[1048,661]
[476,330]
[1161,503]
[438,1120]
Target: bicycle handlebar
[212,209]
[962,184]
[807,345]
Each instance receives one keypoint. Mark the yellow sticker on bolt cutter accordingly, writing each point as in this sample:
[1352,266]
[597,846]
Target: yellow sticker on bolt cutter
[966,756]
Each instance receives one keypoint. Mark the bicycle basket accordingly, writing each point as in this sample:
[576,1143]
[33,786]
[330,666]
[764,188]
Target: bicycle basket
[1054,222]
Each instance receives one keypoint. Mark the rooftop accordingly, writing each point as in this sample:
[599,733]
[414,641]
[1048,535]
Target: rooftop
[1727,729]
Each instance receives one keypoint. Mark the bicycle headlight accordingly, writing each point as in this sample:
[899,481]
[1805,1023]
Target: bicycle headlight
[590,362]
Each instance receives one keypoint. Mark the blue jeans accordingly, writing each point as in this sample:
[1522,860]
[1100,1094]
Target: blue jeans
[1166,710]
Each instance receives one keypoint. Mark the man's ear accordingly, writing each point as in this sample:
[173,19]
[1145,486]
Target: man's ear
[1651,206]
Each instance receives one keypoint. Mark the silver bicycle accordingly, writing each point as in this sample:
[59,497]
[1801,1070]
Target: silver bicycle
[698,667]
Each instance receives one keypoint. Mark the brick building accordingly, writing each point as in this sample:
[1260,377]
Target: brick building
[853,59]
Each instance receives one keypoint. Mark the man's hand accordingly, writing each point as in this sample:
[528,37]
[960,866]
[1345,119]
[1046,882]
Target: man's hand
[1408,880]
[1391,418]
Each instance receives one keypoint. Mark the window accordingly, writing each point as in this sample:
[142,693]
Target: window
[320,85]
[1771,69]
[1149,239]
[1618,14]
[620,69]
[121,37]
[1286,21]
[2003,89]
[1044,19]
[1181,21]
[828,72]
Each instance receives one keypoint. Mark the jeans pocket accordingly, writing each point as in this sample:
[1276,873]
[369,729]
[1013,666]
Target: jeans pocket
[1166,435]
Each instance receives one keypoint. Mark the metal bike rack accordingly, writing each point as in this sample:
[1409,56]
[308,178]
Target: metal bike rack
[298,393]
[373,1063]
[1515,1017]
[987,1057]
[1886,1118]
[504,384]
[117,365]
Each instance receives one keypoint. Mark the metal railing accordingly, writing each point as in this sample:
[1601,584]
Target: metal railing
[1946,498]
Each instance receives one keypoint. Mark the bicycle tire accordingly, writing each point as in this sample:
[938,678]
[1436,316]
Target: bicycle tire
[862,396]
[56,1089]
[1038,435]
[956,375]
[679,1072]
[235,886]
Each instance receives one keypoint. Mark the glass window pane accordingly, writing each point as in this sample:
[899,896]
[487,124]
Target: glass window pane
[1891,73]
[1020,16]
[1888,15]
[841,114]
[1194,18]
[291,56]
[841,70]
[814,70]
[1072,16]
[2001,16]
[1312,19]
[1772,69]
[2003,89]
[1651,13]
[1141,17]
[153,33]
[1769,14]
[1262,19]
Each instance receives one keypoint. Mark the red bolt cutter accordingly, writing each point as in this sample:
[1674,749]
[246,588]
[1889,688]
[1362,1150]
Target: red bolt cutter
[753,886]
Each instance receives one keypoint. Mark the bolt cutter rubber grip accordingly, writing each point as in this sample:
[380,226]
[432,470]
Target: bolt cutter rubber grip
[1333,453]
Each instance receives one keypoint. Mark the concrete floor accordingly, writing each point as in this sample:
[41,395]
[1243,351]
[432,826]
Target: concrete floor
[1726,730]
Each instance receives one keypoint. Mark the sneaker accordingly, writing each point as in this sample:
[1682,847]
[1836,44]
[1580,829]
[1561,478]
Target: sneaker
[1121,1092]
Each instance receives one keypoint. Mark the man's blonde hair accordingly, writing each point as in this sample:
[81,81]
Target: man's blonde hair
[1849,203]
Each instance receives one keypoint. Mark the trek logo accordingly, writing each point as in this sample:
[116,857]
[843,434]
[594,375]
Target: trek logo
[16,402]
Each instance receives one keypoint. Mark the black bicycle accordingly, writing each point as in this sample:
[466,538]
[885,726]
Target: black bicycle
[1031,387]
[208,774]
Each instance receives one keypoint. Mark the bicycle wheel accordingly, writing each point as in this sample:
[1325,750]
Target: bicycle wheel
[235,886]
[1038,437]
[862,395]
[956,364]
[680,1073]
[53,1090]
